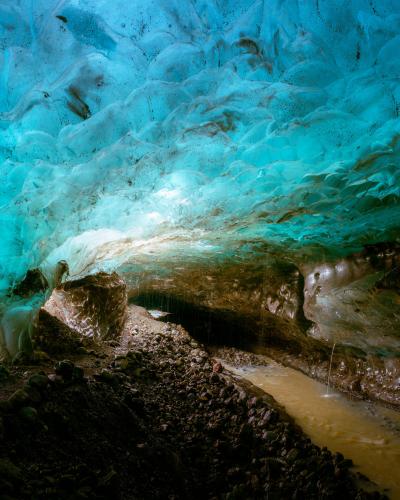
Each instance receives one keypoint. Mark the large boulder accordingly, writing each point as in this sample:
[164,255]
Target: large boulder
[92,307]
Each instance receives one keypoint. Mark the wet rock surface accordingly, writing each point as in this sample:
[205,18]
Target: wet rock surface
[300,311]
[371,378]
[92,308]
[152,416]
[367,375]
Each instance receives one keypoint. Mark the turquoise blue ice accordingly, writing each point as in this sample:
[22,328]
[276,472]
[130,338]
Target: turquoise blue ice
[134,129]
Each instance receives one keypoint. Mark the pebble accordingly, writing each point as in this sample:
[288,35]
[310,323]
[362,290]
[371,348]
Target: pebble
[108,376]
[65,368]
[217,367]
[38,380]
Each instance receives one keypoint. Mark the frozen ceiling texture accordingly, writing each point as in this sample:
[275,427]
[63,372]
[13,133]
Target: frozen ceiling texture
[136,132]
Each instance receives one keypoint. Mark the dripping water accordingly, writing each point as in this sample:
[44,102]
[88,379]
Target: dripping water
[327,394]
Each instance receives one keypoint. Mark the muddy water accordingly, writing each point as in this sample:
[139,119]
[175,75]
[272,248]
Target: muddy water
[367,434]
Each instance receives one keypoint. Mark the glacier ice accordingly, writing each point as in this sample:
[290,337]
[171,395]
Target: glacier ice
[143,131]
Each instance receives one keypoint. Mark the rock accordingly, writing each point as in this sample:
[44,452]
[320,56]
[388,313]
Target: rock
[65,368]
[54,336]
[94,306]
[355,384]
[214,378]
[271,436]
[29,414]
[338,457]
[19,398]
[112,343]
[109,484]
[217,367]
[82,350]
[56,379]
[252,402]
[39,381]
[123,363]
[39,356]
[292,456]
[345,463]
[107,376]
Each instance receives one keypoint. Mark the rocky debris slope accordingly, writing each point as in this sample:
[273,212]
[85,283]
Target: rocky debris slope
[153,416]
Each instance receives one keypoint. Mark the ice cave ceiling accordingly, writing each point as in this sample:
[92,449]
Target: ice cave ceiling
[140,133]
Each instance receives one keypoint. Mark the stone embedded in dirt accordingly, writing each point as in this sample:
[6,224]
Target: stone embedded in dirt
[122,363]
[107,376]
[217,367]
[292,456]
[65,368]
[40,357]
[38,380]
[82,351]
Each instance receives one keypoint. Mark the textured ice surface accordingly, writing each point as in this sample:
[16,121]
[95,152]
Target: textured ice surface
[142,129]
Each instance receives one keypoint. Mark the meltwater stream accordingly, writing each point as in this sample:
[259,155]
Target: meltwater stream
[366,433]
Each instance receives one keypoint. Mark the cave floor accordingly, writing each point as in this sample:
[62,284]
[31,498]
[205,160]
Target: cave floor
[360,429]
[153,415]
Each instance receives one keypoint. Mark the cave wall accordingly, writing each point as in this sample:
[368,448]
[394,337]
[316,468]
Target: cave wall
[340,319]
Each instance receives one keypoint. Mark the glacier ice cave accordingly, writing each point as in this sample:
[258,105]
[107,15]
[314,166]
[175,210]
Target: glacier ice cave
[200,249]
[240,155]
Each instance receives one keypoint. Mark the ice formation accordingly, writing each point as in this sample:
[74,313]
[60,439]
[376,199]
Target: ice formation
[134,131]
